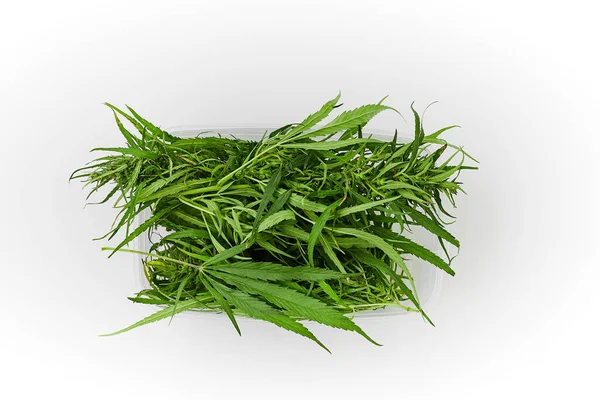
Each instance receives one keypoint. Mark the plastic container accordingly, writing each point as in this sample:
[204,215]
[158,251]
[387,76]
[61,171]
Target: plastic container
[428,278]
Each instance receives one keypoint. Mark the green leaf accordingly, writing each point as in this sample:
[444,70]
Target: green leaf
[427,223]
[306,204]
[187,234]
[279,203]
[425,254]
[132,140]
[227,254]
[280,131]
[108,196]
[132,120]
[268,194]
[385,269]
[182,285]
[152,128]
[258,309]
[275,272]
[407,194]
[315,232]
[419,135]
[265,244]
[294,232]
[443,142]
[415,249]
[331,254]
[296,303]
[381,244]
[321,194]
[363,207]
[208,283]
[330,292]
[348,119]
[315,118]
[395,140]
[162,314]
[446,174]
[158,256]
[170,191]
[333,145]
[143,300]
[147,224]
[275,218]
[134,151]
[403,185]
[196,255]
[439,132]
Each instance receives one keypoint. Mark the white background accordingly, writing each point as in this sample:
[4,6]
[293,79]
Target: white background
[519,320]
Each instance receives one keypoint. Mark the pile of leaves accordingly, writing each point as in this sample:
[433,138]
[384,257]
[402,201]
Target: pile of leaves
[308,223]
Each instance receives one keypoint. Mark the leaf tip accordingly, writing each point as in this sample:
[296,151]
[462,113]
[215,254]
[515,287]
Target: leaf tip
[382,100]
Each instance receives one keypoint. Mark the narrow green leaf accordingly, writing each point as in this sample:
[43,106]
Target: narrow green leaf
[108,196]
[381,244]
[162,314]
[265,244]
[167,177]
[446,174]
[143,300]
[331,254]
[275,272]
[170,191]
[160,257]
[145,225]
[187,234]
[152,128]
[402,185]
[294,232]
[268,194]
[131,140]
[435,134]
[371,260]
[315,232]
[279,203]
[416,144]
[208,283]
[306,204]
[425,254]
[332,145]
[443,142]
[407,194]
[280,131]
[430,225]
[182,285]
[129,118]
[315,118]
[330,292]
[276,218]
[363,207]
[415,249]
[134,151]
[228,253]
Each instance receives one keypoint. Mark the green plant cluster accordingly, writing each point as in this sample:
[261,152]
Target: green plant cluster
[307,223]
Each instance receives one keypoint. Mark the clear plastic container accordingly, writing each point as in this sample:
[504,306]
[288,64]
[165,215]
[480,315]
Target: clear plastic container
[428,278]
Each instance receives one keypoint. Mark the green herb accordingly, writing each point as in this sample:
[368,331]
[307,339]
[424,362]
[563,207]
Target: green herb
[305,224]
